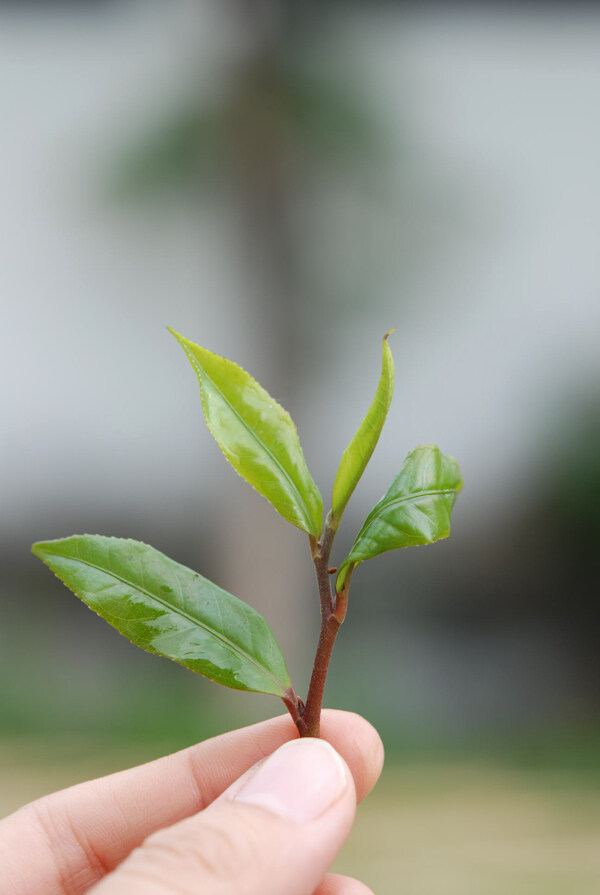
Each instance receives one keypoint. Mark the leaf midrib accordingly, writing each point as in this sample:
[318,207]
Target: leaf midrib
[307,515]
[225,640]
[396,501]
[355,444]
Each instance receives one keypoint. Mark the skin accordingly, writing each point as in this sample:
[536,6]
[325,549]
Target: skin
[193,821]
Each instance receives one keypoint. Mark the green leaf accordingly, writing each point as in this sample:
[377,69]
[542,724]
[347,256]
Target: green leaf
[358,453]
[257,436]
[415,510]
[170,610]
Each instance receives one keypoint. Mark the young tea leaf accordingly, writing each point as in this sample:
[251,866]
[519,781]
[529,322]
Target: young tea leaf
[257,436]
[358,453]
[170,610]
[415,510]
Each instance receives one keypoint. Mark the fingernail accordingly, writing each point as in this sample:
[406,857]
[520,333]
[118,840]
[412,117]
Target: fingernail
[298,782]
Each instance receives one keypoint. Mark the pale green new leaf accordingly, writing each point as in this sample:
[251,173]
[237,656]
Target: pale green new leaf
[415,510]
[358,453]
[170,610]
[257,436]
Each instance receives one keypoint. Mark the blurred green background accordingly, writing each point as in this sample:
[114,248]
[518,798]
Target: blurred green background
[283,182]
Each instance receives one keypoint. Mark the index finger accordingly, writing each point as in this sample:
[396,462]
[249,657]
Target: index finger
[76,836]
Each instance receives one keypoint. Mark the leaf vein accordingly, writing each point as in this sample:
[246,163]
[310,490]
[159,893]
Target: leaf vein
[227,642]
[305,509]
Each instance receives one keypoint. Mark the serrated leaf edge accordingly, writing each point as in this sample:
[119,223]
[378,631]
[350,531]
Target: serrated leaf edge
[200,371]
[349,563]
[338,506]
[396,501]
[228,643]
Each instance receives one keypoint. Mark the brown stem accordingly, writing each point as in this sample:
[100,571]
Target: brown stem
[314,701]
[333,611]
[307,718]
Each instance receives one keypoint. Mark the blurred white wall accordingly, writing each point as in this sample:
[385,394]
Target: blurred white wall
[481,248]
[495,293]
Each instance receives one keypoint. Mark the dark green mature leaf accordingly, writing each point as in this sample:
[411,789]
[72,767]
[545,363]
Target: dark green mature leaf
[257,436]
[415,510]
[359,451]
[170,610]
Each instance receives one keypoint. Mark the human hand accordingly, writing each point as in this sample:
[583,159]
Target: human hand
[246,813]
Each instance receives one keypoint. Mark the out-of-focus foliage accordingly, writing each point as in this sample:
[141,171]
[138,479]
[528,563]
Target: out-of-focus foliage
[318,121]
[573,490]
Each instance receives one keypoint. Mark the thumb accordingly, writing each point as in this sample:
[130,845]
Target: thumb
[276,830]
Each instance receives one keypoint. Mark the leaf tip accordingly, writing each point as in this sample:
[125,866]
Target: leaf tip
[181,339]
[43,549]
[38,548]
[389,333]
